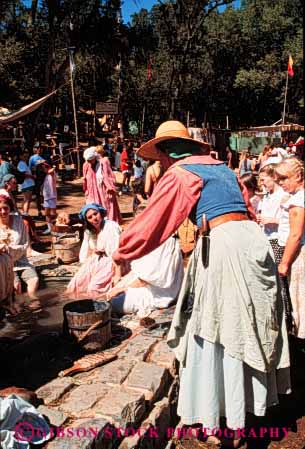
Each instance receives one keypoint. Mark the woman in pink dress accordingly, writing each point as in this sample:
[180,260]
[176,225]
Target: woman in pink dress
[101,239]
[99,182]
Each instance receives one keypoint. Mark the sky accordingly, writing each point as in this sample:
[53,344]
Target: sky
[132,6]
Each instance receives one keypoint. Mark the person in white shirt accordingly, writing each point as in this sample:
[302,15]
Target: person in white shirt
[268,218]
[291,237]
[153,282]
[28,185]
[270,205]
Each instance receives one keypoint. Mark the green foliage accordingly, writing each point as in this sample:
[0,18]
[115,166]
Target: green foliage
[209,63]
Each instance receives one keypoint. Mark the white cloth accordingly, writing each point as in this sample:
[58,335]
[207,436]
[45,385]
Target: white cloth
[24,168]
[90,153]
[296,199]
[49,187]
[107,240]
[17,240]
[138,172]
[33,428]
[50,204]
[163,270]
[270,207]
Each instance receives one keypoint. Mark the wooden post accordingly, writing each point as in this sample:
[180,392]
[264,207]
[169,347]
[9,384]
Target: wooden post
[74,111]
[143,119]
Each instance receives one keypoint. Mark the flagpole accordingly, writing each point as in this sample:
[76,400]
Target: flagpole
[74,110]
[284,110]
[143,119]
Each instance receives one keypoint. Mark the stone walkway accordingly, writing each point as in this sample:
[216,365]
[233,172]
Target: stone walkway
[123,403]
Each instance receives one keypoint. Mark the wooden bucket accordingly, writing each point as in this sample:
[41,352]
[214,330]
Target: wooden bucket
[89,322]
[66,248]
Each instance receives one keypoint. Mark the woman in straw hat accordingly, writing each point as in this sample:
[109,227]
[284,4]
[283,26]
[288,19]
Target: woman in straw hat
[228,330]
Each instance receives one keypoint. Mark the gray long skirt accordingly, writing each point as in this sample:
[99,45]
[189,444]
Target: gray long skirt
[233,349]
[214,384]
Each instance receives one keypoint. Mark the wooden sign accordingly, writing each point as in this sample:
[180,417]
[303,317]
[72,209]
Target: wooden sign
[106,108]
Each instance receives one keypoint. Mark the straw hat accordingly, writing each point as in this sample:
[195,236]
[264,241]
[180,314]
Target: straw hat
[172,130]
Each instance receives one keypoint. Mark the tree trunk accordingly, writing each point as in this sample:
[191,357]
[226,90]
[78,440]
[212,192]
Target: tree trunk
[32,15]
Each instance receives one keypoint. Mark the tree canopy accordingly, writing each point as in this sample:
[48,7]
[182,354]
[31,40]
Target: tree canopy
[180,57]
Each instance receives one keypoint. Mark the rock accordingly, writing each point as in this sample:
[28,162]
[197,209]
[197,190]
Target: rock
[157,424]
[162,355]
[114,373]
[138,348]
[83,398]
[153,431]
[55,417]
[149,378]
[52,391]
[102,432]
[124,406]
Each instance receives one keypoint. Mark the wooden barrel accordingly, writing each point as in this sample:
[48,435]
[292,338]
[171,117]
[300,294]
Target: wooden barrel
[66,248]
[89,322]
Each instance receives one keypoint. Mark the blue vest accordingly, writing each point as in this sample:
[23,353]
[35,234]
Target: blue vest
[220,195]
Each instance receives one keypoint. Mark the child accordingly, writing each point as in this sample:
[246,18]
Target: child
[49,196]
[138,170]
[138,185]
[126,168]
[63,219]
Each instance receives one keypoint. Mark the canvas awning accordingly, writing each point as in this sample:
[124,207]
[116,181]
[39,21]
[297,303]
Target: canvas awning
[12,116]
[271,129]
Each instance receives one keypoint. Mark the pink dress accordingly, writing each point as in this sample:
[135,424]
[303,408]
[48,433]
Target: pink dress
[99,187]
[96,272]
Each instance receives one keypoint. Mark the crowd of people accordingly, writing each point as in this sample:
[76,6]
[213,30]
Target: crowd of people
[243,291]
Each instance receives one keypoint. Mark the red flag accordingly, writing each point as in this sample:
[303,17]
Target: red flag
[289,68]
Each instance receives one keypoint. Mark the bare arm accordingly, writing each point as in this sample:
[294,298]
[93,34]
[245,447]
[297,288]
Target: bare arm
[297,224]
[148,183]
[137,283]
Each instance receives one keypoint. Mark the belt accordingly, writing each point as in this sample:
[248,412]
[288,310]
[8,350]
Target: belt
[232,216]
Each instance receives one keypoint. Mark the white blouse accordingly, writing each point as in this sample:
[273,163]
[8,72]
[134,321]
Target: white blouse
[107,240]
[296,199]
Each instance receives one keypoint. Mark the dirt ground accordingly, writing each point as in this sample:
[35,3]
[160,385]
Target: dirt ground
[285,424]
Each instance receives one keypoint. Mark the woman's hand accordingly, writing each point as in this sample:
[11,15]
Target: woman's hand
[3,248]
[283,269]
[114,292]
[268,220]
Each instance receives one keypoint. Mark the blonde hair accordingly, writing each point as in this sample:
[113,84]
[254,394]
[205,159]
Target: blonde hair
[268,170]
[291,165]
[100,150]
